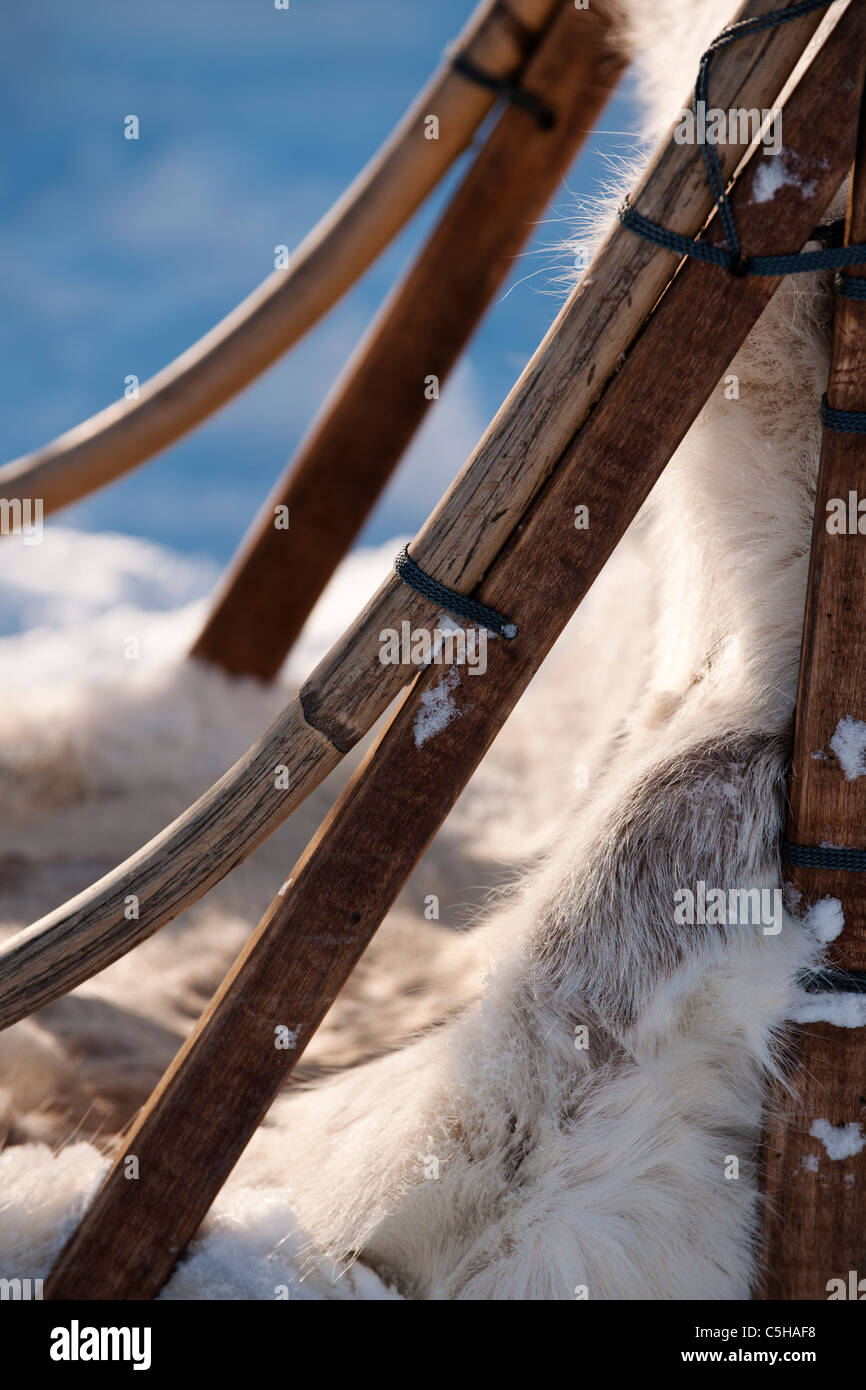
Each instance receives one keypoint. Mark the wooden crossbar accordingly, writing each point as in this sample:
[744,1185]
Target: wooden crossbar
[369,419]
[194,1128]
[498,39]
[350,688]
[815,1212]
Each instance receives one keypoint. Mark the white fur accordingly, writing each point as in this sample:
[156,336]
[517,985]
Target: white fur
[559,1169]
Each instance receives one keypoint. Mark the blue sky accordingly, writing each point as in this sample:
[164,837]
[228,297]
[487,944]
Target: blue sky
[118,254]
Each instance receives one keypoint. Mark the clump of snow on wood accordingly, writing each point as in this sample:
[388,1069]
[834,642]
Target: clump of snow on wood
[825,919]
[843,1010]
[849,745]
[775,172]
[437,708]
[840,1141]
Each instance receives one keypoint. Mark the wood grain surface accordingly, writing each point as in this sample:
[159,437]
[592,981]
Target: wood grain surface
[815,1219]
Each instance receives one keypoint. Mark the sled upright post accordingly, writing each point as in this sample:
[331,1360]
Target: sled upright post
[815,1203]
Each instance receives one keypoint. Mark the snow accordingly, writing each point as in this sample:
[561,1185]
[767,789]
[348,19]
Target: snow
[66,604]
[254,1249]
[824,920]
[251,1246]
[840,1141]
[843,1010]
[102,574]
[849,745]
[437,708]
[775,172]
[810,1163]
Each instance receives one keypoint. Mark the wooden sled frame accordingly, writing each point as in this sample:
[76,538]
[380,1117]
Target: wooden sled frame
[350,688]
[222,1081]
[369,418]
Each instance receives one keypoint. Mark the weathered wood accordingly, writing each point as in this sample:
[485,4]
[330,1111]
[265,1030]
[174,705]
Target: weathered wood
[369,419]
[815,1221]
[195,1126]
[331,258]
[350,688]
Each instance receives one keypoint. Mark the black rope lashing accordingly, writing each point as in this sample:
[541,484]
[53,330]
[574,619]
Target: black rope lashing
[823,856]
[831,981]
[834,982]
[847,421]
[732,257]
[459,605]
[850,286]
[791,263]
[508,90]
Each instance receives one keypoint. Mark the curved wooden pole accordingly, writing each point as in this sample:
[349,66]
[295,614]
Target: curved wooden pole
[351,688]
[206,1108]
[358,227]
[367,422]
[815,1211]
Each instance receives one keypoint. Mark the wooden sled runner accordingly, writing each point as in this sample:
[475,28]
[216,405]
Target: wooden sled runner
[591,422]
